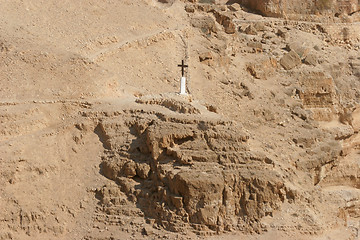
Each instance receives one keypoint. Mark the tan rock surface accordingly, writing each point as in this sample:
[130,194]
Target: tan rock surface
[298,9]
[95,142]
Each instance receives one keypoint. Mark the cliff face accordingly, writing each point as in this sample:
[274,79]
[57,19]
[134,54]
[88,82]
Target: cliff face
[291,8]
[193,172]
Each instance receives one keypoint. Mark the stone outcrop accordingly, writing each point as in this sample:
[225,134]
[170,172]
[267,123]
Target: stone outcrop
[355,66]
[318,90]
[299,48]
[262,68]
[198,175]
[311,59]
[226,21]
[290,60]
[169,103]
[318,94]
[205,24]
[293,9]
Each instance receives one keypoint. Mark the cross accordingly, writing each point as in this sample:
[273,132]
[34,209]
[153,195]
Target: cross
[183,66]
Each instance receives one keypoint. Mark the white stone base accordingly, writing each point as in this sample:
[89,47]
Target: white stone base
[183,86]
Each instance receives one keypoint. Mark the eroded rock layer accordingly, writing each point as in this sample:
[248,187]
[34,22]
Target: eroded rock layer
[298,9]
[187,172]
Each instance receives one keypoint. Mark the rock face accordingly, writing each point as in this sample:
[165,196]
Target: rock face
[205,24]
[355,65]
[285,8]
[262,68]
[318,91]
[255,148]
[290,60]
[199,174]
[226,21]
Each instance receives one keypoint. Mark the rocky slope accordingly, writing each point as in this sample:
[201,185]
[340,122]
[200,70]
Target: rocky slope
[301,10]
[95,143]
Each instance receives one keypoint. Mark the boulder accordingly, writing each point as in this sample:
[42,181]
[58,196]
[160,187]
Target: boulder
[290,60]
[205,7]
[311,59]
[204,56]
[355,66]
[205,24]
[251,30]
[129,169]
[299,48]
[256,45]
[234,7]
[260,26]
[282,33]
[268,35]
[190,8]
[143,170]
[226,21]
[262,68]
